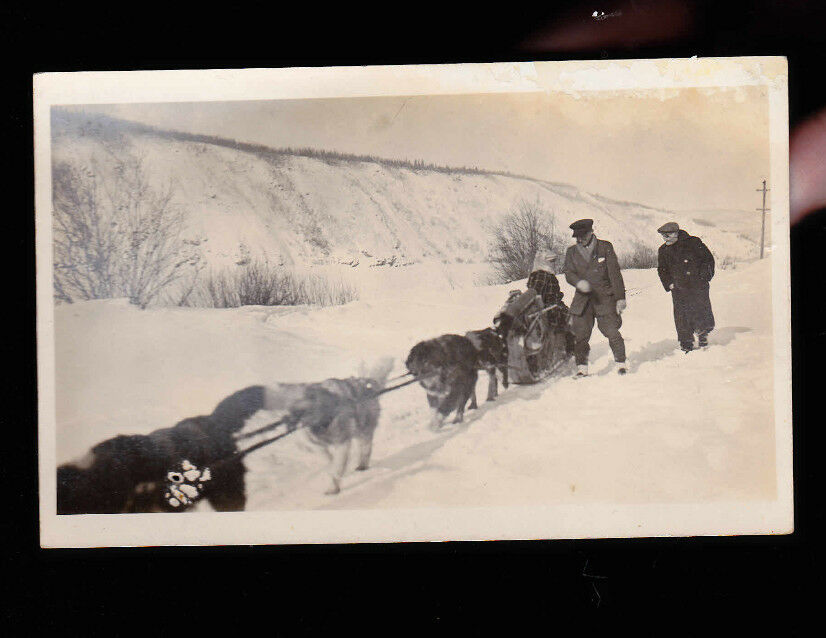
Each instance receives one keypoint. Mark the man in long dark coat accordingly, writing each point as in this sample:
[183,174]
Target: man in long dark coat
[686,266]
[591,266]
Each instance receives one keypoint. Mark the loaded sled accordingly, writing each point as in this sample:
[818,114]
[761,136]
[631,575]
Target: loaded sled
[538,339]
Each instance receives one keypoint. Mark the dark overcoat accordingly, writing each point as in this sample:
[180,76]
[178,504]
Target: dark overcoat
[602,271]
[689,265]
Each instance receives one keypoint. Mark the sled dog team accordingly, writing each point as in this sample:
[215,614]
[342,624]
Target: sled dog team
[172,467]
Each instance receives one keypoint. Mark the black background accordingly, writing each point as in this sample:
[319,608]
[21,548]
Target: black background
[355,586]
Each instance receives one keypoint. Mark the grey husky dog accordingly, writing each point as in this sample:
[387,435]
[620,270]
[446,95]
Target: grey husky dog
[337,415]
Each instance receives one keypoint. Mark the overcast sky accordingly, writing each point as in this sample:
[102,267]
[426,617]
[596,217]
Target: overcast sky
[676,149]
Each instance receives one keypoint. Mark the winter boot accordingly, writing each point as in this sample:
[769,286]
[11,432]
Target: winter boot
[702,339]
[622,368]
[687,347]
[581,371]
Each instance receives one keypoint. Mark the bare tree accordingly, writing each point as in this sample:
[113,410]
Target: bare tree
[523,232]
[115,235]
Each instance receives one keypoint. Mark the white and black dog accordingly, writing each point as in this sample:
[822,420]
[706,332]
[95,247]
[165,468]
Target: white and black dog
[128,473]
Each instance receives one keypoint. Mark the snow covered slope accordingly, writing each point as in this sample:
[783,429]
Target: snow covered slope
[679,428]
[745,223]
[306,211]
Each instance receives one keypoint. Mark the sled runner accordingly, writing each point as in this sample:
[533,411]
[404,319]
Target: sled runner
[536,341]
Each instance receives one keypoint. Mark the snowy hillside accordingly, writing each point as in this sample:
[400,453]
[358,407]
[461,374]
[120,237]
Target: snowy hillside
[747,224]
[679,428]
[307,211]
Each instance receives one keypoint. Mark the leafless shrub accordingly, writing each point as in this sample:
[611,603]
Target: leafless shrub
[640,256]
[325,291]
[523,232]
[114,234]
[259,283]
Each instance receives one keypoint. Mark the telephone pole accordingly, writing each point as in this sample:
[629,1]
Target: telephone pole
[764,209]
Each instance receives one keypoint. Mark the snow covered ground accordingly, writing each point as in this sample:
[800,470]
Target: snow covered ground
[678,429]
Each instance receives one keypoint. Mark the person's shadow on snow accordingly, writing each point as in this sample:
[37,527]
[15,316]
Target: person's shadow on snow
[660,349]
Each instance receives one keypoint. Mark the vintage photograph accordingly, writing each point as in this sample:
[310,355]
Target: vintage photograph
[377,304]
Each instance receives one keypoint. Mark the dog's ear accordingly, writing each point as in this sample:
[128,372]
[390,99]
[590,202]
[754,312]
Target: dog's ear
[380,370]
[84,462]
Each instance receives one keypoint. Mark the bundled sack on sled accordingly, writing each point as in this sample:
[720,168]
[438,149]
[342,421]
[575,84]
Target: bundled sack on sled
[534,324]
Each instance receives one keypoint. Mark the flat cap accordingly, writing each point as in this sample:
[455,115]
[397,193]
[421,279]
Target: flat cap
[581,226]
[670,227]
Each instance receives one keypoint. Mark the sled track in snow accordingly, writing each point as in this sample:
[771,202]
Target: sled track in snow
[415,445]
[413,457]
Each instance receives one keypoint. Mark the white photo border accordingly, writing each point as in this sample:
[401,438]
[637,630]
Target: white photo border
[421,524]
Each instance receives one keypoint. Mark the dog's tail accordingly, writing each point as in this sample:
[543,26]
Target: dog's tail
[239,406]
[378,372]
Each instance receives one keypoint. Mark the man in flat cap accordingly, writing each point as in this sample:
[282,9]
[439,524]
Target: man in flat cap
[591,266]
[686,266]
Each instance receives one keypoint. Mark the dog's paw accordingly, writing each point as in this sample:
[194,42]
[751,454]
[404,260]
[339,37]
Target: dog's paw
[184,484]
[437,419]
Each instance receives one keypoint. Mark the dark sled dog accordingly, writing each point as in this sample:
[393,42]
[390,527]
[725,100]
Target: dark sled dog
[447,369]
[336,414]
[126,473]
[492,355]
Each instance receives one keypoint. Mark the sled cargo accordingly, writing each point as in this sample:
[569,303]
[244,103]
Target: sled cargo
[536,349]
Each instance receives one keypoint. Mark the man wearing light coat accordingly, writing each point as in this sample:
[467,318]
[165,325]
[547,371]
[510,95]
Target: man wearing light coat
[591,266]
